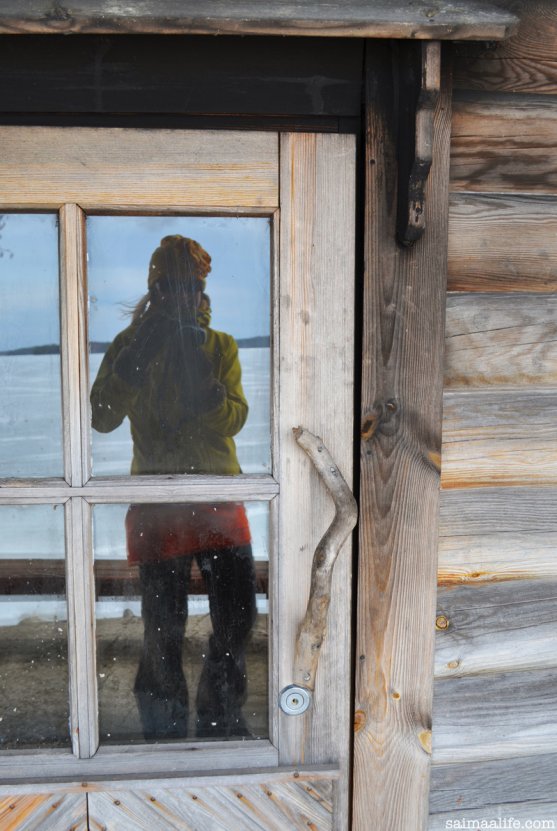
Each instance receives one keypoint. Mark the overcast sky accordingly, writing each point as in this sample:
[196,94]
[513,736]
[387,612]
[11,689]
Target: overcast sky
[119,249]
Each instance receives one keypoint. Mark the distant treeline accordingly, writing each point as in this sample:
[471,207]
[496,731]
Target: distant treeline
[101,346]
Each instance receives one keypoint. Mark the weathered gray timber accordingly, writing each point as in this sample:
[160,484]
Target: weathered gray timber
[494,716]
[504,143]
[44,812]
[496,627]
[502,340]
[526,62]
[502,242]
[499,438]
[276,806]
[404,312]
[468,19]
[498,511]
[479,784]
[535,812]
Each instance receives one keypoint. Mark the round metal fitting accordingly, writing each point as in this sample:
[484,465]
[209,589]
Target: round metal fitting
[294,700]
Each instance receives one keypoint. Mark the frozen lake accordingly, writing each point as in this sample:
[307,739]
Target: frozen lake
[31,446]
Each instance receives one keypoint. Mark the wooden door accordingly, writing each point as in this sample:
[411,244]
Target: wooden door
[282,771]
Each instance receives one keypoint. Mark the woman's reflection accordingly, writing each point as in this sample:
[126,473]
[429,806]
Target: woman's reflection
[179,383]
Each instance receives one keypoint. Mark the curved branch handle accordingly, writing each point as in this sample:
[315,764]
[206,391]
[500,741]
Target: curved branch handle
[313,628]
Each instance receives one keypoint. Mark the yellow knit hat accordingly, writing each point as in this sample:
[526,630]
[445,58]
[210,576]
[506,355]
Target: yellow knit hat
[179,258]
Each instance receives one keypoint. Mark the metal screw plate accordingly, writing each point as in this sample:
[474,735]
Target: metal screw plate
[294,700]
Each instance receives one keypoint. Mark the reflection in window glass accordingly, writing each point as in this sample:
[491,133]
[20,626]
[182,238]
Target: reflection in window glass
[34,707]
[179,326]
[30,406]
[182,621]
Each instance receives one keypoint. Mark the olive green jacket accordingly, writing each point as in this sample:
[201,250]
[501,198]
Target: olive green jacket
[164,441]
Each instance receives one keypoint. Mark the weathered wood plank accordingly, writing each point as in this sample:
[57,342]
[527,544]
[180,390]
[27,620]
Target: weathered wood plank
[537,813]
[273,806]
[502,340]
[504,143]
[498,511]
[497,534]
[496,627]
[494,716]
[316,391]
[499,438]
[469,19]
[526,62]
[479,558]
[480,784]
[502,243]
[43,812]
[180,75]
[114,167]
[404,312]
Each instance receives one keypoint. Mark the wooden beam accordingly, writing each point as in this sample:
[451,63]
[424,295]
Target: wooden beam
[503,242]
[402,376]
[469,19]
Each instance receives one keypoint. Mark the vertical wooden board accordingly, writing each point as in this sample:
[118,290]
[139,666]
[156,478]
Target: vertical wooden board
[402,375]
[272,806]
[44,812]
[316,391]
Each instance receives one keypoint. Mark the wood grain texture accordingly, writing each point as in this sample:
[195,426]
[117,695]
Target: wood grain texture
[501,340]
[526,62]
[316,391]
[480,558]
[494,716]
[272,806]
[46,166]
[534,812]
[181,75]
[502,243]
[499,438]
[479,784]
[504,143]
[404,312]
[43,812]
[496,627]
[475,19]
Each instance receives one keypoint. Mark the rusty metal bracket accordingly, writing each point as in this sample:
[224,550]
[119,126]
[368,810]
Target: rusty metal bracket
[418,91]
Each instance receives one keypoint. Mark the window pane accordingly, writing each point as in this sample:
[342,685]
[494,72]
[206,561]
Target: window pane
[182,610]
[30,406]
[34,708]
[179,328]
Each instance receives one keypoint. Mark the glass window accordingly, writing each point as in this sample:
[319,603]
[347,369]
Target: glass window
[30,405]
[34,708]
[179,332]
[182,609]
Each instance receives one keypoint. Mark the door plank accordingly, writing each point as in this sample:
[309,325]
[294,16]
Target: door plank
[271,806]
[316,392]
[504,143]
[496,627]
[44,812]
[499,438]
[404,314]
[502,242]
[116,167]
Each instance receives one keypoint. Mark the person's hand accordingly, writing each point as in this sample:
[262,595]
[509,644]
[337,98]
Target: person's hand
[147,341]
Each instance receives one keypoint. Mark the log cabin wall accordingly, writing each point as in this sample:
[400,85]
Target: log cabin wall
[495,703]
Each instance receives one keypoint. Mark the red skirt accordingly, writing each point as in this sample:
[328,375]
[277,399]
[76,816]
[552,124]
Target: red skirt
[161,532]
